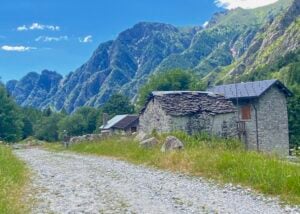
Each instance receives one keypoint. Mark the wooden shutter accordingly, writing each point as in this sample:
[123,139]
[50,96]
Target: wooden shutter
[246,112]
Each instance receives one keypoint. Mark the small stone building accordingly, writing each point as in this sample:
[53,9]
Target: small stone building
[190,111]
[121,124]
[262,112]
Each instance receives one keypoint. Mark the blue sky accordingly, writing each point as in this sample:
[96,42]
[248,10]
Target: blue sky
[61,35]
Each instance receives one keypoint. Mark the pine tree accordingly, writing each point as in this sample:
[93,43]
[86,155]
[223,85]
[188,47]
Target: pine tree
[11,123]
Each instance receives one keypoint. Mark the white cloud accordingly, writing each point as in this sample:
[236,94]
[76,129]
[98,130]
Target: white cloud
[246,4]
[20,48]
[86,39]
[205,24]
[37,26]
[22,28]
[51,39]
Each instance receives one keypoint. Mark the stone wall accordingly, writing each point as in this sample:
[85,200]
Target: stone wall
[212,124]
[273,132]
[200,123]
[272,121]
[154,118]
[250,136]
[224,125]
[192,124]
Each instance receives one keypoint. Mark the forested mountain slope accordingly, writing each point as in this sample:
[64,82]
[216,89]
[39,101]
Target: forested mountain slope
[238,43]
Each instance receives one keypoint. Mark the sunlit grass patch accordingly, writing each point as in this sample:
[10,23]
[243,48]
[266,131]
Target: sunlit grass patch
[224,160]
[13,177]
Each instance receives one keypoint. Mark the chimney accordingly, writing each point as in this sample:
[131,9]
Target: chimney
[105,118]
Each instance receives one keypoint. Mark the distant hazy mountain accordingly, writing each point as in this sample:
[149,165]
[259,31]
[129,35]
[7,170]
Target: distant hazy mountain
[35,89]
[236,42]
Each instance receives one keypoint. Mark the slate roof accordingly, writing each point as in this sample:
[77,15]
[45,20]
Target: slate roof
[180,103]
[120,121]
[126,121]
[248,89]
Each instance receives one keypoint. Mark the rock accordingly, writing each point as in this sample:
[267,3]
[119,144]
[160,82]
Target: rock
[37,86]
[89,82]
[148,143]
[141,136]
[17,146]
[172,143]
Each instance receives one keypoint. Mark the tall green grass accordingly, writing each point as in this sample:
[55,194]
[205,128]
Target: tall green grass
[12,181]
[219,159]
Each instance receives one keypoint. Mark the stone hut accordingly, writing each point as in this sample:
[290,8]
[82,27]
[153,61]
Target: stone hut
[262,112]
[121,124]
[190,111]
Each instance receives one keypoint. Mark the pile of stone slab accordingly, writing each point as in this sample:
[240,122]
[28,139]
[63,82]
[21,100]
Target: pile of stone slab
[85,138]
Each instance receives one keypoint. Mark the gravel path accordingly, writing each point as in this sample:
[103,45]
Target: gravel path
[71,183]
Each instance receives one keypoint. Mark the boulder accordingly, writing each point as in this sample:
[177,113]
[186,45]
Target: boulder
[141,136]
[172,143]
[148,143]
[17,146]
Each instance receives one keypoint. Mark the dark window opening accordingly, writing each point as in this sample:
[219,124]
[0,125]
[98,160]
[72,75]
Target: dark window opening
[133,129]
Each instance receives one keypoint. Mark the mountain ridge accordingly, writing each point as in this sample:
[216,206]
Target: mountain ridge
[230,44]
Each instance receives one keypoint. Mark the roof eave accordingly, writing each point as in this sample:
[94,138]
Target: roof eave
[248,97]
[285,89]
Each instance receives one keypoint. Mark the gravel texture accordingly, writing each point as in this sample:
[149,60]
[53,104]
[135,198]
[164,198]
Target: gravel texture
[71,183]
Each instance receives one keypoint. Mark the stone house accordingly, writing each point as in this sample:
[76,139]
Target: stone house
[190,111]
[120,124]
[262,113]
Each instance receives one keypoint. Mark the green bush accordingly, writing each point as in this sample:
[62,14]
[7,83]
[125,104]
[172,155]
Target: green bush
[47,127]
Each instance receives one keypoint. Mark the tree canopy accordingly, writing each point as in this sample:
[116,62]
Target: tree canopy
[82,121]
[118,104]
[11,123]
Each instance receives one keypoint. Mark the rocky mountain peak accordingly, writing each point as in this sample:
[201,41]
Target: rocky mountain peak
[236,40]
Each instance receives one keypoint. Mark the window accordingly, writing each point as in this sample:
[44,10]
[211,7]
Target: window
[246,112]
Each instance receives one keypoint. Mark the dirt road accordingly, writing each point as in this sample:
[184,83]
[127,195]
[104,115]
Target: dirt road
[71,183]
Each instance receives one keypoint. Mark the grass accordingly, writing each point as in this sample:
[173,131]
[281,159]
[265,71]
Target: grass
[222,160]
[12,182]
